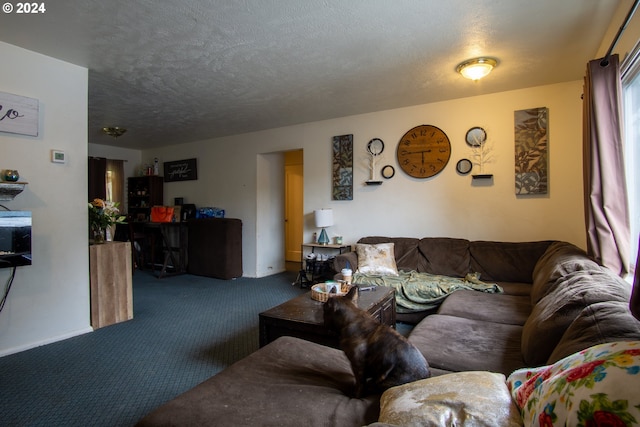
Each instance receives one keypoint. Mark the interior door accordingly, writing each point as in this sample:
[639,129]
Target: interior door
[294,216]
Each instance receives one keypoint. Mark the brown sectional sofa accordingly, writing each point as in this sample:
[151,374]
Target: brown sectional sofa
[556,302]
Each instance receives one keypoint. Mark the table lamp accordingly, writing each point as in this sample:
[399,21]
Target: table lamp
[324,218]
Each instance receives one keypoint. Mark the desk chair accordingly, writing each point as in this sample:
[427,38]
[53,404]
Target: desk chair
[138,239]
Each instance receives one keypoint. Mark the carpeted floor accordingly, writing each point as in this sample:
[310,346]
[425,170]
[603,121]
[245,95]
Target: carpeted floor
[185,329]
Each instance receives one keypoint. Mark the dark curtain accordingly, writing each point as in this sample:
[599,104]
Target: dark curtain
[606,206]
[97,180]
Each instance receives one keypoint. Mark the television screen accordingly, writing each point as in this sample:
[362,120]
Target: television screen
[15,238]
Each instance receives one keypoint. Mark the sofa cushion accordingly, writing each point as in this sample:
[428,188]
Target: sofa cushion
[597,324]
[289,382]
[498,308]
[472,399]
[457,344]
[599,386]
[376,259]
[553,314]
[505,261]
[405,248]
[515,288]
[558,260]
[445,256]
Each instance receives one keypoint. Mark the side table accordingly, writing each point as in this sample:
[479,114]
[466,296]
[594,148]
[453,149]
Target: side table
[111,283]
[318,268]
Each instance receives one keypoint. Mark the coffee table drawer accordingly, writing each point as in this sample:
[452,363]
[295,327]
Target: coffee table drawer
[385,312]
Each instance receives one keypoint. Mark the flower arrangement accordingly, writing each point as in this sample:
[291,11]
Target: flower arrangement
[103,214]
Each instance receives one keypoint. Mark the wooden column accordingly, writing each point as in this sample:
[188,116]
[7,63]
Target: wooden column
[111,283]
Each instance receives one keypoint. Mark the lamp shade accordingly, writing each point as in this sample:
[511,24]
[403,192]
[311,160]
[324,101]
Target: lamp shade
[324,218]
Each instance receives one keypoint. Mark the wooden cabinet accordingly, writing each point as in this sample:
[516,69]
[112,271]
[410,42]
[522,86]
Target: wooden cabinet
[111,283]
[215,247]
[143,193]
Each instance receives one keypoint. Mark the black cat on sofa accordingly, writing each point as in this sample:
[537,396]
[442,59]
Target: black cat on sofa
[380,357]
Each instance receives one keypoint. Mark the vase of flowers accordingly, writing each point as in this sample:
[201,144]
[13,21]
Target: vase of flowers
[103,214]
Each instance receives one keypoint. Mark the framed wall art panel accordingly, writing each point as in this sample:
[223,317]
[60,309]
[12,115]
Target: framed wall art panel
[342,173]
[18,114]
[531,151]
[181,170]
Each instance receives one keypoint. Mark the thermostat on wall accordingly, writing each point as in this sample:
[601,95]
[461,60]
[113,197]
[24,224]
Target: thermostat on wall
[58,156]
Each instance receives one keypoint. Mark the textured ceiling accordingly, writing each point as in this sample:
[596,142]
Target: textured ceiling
[178,71]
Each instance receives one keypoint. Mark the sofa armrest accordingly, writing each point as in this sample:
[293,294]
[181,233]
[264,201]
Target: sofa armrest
[288,382]
[340,261]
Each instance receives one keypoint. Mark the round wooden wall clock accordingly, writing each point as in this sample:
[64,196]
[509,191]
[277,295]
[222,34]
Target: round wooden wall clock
[423,151]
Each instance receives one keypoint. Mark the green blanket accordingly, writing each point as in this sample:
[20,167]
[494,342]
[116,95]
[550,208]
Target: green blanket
[422,291]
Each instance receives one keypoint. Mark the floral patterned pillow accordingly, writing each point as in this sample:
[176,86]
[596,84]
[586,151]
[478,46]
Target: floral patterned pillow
[377,259]
[599,386]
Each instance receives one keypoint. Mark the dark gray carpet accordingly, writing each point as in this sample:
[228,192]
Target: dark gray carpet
[185,329]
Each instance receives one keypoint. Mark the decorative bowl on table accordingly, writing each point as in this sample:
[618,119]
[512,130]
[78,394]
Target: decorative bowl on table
[322,291]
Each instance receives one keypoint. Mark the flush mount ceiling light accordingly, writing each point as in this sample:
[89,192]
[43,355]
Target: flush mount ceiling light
[477,68]
[113,131]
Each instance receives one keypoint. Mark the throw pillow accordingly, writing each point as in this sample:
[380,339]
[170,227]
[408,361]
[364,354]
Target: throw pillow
[377,259]
[596,386]
[470,398]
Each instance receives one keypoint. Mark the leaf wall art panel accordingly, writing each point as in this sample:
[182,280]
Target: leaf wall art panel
[531,151]
[342,173]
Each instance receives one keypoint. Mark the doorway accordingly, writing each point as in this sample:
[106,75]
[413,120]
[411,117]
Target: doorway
[294,207]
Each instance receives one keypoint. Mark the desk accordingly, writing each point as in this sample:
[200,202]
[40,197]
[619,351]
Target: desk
[209,247]
[172,242]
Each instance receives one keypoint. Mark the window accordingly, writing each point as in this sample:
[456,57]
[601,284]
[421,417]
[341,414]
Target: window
[630,71]
[114,181]
[109,183]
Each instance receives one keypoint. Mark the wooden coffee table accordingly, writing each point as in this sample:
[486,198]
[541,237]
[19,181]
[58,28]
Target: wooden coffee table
[303,317]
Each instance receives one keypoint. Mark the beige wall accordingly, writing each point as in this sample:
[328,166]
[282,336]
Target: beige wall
[242,174]
[49,300]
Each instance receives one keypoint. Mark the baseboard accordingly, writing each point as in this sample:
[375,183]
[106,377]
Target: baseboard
[267,273]
[13,350]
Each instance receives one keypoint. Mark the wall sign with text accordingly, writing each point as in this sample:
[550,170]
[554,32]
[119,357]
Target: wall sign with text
[181,170]
[18,114]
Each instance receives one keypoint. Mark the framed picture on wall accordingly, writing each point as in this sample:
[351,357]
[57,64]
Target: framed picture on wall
[181,170]
[531,151]
[19,114]
[342,168]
